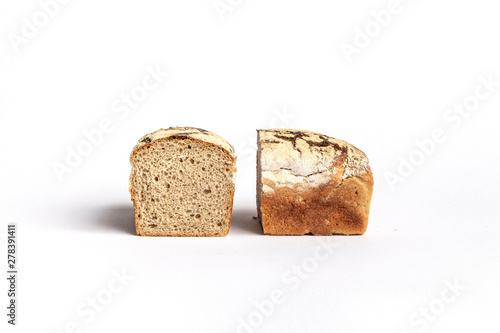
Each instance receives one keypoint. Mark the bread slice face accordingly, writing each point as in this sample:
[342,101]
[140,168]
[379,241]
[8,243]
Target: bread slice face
[182,183]
[309,183]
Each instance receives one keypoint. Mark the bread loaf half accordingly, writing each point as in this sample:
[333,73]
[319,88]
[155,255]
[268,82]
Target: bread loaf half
[182,183]
[308,183]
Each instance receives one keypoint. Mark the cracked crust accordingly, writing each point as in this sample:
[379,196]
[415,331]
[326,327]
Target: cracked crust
[187,133]
[309,183]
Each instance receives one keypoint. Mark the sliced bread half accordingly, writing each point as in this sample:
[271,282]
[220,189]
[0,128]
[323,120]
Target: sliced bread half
[182,183]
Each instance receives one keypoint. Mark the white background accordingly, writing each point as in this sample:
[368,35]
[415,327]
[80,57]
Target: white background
[265,64]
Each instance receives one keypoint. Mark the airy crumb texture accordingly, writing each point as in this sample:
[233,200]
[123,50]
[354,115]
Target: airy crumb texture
[182,183]
[308,183]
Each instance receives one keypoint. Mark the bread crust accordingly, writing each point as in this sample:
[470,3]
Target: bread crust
[186,134]
[333,199]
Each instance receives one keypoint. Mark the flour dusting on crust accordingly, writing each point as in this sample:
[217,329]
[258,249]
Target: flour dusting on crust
[293,157]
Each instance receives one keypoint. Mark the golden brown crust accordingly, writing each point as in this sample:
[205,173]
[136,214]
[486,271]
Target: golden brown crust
[185,138]
[332,208]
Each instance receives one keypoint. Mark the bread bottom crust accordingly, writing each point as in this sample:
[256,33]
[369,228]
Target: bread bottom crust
[329,209]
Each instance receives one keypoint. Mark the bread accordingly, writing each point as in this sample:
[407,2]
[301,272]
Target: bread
[308,183]
[182,183]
